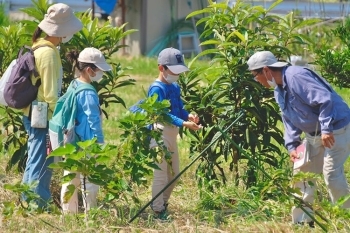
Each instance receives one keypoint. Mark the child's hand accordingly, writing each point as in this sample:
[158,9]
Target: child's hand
[193,117]
[191,125]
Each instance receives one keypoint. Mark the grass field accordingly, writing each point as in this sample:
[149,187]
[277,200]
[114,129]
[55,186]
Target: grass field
[186,208]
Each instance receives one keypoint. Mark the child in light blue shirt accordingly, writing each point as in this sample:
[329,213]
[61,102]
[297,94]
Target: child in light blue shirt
[90,64]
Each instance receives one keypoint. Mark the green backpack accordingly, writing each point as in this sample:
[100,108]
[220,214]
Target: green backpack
[62,123]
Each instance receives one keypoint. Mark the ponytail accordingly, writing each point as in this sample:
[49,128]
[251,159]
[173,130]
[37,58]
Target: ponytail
[36,34]
[72,57]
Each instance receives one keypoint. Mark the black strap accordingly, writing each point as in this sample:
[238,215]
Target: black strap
[36,74]
[320,79]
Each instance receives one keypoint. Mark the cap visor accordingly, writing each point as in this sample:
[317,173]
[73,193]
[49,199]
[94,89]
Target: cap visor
[178,69]
[103,66]
[279,64]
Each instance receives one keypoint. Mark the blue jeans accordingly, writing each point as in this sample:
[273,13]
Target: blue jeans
[37,163]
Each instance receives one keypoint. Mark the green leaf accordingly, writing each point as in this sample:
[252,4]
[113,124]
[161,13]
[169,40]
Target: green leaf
[69,193]
[76,156]
[273,5]
[84,145]
[61,151]
[203,11]
[67,178]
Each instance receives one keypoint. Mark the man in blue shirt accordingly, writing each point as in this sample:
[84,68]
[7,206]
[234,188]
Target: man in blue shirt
[309,104]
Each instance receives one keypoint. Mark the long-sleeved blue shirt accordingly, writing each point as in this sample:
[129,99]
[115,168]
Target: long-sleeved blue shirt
[308,104]
[88,119]
[177,112]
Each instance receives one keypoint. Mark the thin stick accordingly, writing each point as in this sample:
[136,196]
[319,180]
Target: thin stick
[188,166]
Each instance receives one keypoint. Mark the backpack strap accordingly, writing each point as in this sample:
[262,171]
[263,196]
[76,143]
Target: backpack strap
[35,72]
[161,86]
[82,86]
[70,102]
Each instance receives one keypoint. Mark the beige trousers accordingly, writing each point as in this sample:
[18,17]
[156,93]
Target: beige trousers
[168,171]
[330,162]
[89,193]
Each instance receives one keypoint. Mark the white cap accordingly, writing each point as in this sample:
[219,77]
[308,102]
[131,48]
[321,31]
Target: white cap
[94,56]
[60,21]
[262,59]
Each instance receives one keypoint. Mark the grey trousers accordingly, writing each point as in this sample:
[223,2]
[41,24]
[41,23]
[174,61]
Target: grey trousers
[330,162]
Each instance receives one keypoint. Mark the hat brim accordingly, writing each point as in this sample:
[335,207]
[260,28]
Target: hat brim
[278,64]
[178,69]
[103,66]
[67,28]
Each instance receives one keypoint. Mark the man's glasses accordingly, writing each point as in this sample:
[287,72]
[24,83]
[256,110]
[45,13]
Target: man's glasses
[255,76]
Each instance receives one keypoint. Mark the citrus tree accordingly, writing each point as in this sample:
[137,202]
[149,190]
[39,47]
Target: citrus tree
[332,56]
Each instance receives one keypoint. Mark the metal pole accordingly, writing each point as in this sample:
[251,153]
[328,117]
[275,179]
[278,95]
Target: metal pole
[188,166]
[93,9]
[123,6]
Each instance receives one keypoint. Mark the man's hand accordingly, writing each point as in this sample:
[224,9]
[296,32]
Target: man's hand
[293,155]
[191,125]
[327,140]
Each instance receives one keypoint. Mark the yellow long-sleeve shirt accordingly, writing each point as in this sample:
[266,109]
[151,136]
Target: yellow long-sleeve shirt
[49,66]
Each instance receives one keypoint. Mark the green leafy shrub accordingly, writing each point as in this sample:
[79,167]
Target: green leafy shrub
[220,92]
[332,58]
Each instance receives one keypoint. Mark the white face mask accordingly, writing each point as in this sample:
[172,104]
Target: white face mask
[66,39]
[98,76]
[272,83]
[171,78]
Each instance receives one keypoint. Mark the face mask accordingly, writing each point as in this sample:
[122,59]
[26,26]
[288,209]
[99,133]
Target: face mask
[66,39]
[97,77]
[171,78]
[272,83]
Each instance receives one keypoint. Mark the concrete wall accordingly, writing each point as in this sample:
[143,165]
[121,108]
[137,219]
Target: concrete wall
[159,14]
[133,17]
[152,19]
